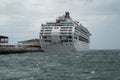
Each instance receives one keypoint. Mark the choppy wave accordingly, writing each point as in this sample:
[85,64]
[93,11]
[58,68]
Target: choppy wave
[88,65]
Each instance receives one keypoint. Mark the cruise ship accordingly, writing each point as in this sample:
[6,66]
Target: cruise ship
[64,35]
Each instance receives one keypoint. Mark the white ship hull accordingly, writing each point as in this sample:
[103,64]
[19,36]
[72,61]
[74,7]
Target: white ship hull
[81,46]
[75,46]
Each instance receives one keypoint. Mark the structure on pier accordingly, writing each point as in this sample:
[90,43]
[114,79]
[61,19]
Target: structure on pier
[29,43]
[3,41]
[32,44]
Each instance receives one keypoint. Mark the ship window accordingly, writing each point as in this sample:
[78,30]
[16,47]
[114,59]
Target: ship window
[48,27]
[42,27]
[47,40]
[65,37]
[47,33]
[63,30]
[48,30]
[63,33]
[64,27]
[70,40]
[44,37]
[47,37]
[80,30]
[56,27]
[75,37]
[70,37]
[83,39]
[64,40]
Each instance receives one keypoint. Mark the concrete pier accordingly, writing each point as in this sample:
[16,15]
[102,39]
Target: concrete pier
[9,50]
[31,45]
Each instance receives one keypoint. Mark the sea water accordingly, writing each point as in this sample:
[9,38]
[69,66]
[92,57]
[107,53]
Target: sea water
[87,65]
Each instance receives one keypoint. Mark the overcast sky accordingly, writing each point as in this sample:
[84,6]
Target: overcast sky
[21,19]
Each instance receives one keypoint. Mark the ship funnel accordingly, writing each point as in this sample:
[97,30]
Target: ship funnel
[67,15]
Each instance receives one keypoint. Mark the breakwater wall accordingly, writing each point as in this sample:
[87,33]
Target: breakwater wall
[9,50]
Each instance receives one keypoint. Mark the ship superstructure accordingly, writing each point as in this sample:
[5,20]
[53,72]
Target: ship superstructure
[64,35]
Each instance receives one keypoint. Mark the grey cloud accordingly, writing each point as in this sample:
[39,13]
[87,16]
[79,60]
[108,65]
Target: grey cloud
[106,33]
[23,18]
[12,8]
[92,7]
